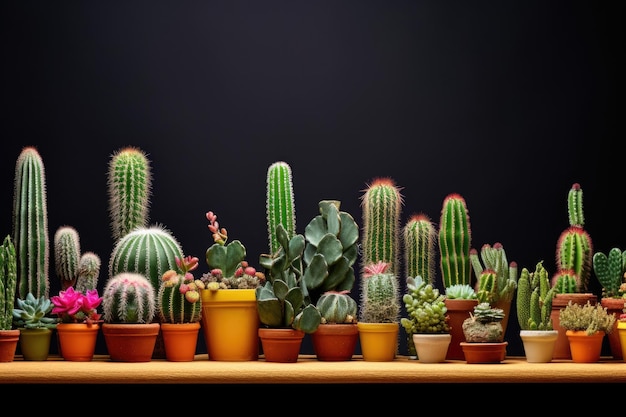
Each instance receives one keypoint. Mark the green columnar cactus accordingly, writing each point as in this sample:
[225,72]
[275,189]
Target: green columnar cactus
[280,205]
[380,295]
[504,279]
[66,255]
[610,271]
[149,251]
[534,299]
[128,298]
[88,272]
[420,238]
[129,188]
[337,307]
[8,282]
[426,308]
[30,224]
[382,206]
[455,242]
[574,249]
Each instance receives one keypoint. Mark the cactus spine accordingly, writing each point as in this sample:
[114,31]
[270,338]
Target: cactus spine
[67,255]
[380,302]
[610,271]
[129,187]
[280,205]
[419,237]
[382,205]
[30,225]
[173,304]
[454,242]
[8,282]
[501,286]
[534,299]
[128,298]
[88,272]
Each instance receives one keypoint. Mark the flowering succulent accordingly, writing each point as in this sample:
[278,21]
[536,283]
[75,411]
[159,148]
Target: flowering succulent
[189,286]
[229,269]
[75,307]
[179,293]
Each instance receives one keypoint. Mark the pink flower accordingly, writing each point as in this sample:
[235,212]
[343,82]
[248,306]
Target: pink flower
[75,307]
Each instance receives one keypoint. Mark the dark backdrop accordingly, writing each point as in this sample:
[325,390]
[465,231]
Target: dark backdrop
[507,103]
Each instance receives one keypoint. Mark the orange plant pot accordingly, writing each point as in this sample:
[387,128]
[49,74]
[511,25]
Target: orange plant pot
[335,342]
[8,344]
[77,341]
[130,342]
[379,341]
[585,348]
[180,341]
[281,345]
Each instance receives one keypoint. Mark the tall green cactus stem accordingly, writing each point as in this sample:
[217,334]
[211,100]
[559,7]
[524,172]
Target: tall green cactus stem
[382,206]
[30,225]
[494,258]
[174,306]
[455,242]
[67,255]
[534,299]
[149,251]
[420,238]
[610,271]
[280,204]
[8,282]
[380,295]
[575,211]
[337,307]
[128,298]
[88,272]
[129,188]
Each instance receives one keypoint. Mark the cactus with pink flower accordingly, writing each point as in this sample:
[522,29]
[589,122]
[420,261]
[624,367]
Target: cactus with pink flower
[179,293]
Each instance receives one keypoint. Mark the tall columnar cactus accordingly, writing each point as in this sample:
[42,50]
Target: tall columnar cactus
[455,242]
[88,272]
[8,282]
[382,206]
[574,249]
[149,251]
[280,205]
[380,295]
[611,272]
[67,255]
[128,298]
[420,239]
[500,282]
[129,188]
[534,299]
[30,225]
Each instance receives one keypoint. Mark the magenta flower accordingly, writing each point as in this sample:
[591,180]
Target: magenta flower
[75,307]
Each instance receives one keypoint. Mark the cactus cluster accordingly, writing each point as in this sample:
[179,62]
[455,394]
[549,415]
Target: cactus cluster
[534,299]
[610,270]
[426,308]
[380,295]
[128,298]
[455,242]
[420,238]
[8,282]
[588,318]
[496,278]
[280,206]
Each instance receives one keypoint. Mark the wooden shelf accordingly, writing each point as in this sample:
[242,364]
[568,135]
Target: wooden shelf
[307,370]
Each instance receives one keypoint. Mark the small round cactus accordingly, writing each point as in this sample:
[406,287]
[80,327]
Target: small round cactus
[337,307]
[128,298]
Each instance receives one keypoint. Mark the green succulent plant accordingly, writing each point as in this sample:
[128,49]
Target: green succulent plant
[425,308]
[534,299]
[589,318]
[32,313]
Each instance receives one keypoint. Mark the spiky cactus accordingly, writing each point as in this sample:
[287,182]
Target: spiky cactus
[88,272]
[534,299]
[280,204]
[566,281]
[455,242]
[129,187]
[30,224]
[66,255]
[337,307]
[8,282]
[420,238]
[128,298]
[611,271]
[382,206]
[179,293]
[380,295]
[496,278]
[574,249]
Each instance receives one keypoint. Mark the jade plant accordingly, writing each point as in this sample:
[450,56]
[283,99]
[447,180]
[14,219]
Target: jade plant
[425,308]
[484,325]
[8,282]
[534,299]
[454,242]
[496,278]
[32,313]
[280,205]
[610,270]
[179,294]
[380,295]
[128,297]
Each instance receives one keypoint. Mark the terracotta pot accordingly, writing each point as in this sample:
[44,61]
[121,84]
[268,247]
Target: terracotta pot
[281,345]
[181,340]
[621,331]
[561,348]
[614,306]
[458,311]
[35,343]
[379,341]
[585,348]
[335,342]
[431,348]
[484,352]
[130,342]
[8,344]
[230,324]
[539,344]
[77,341]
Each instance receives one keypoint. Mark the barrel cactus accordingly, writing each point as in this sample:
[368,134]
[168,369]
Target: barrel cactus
[128,298]
[179,293]
[337,307]
[380,295]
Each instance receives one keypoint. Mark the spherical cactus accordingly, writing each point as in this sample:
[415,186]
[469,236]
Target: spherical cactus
[380,296]
[128,298]
[337,307]
[179,298]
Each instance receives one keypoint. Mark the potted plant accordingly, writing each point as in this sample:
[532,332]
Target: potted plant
[484,335]
[129,306]
[79,323]
[30,316]
[180,310]
[427,320]
[9,337]
[534,307]
[585,327]
[621,330]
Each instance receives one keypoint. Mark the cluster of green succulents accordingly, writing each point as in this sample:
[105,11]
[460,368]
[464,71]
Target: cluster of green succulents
[496,278]
[425,307]
[534,299]
[589,318]
[484,325]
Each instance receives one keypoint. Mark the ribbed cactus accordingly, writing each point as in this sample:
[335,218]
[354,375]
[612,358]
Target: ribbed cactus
[88,272]
[380,295]
[499,287]
[149,251]
[280,205]
[565,281]
[128,298]
[574,249]
[179,294]
[420,239]
[8,282]
[610,271]
[129,187]
[534,299]
[382,206]
[455,242]
[30,225]
[66,255]
[337,307]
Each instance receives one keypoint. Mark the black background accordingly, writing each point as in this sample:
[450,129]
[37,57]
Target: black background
[507,103]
